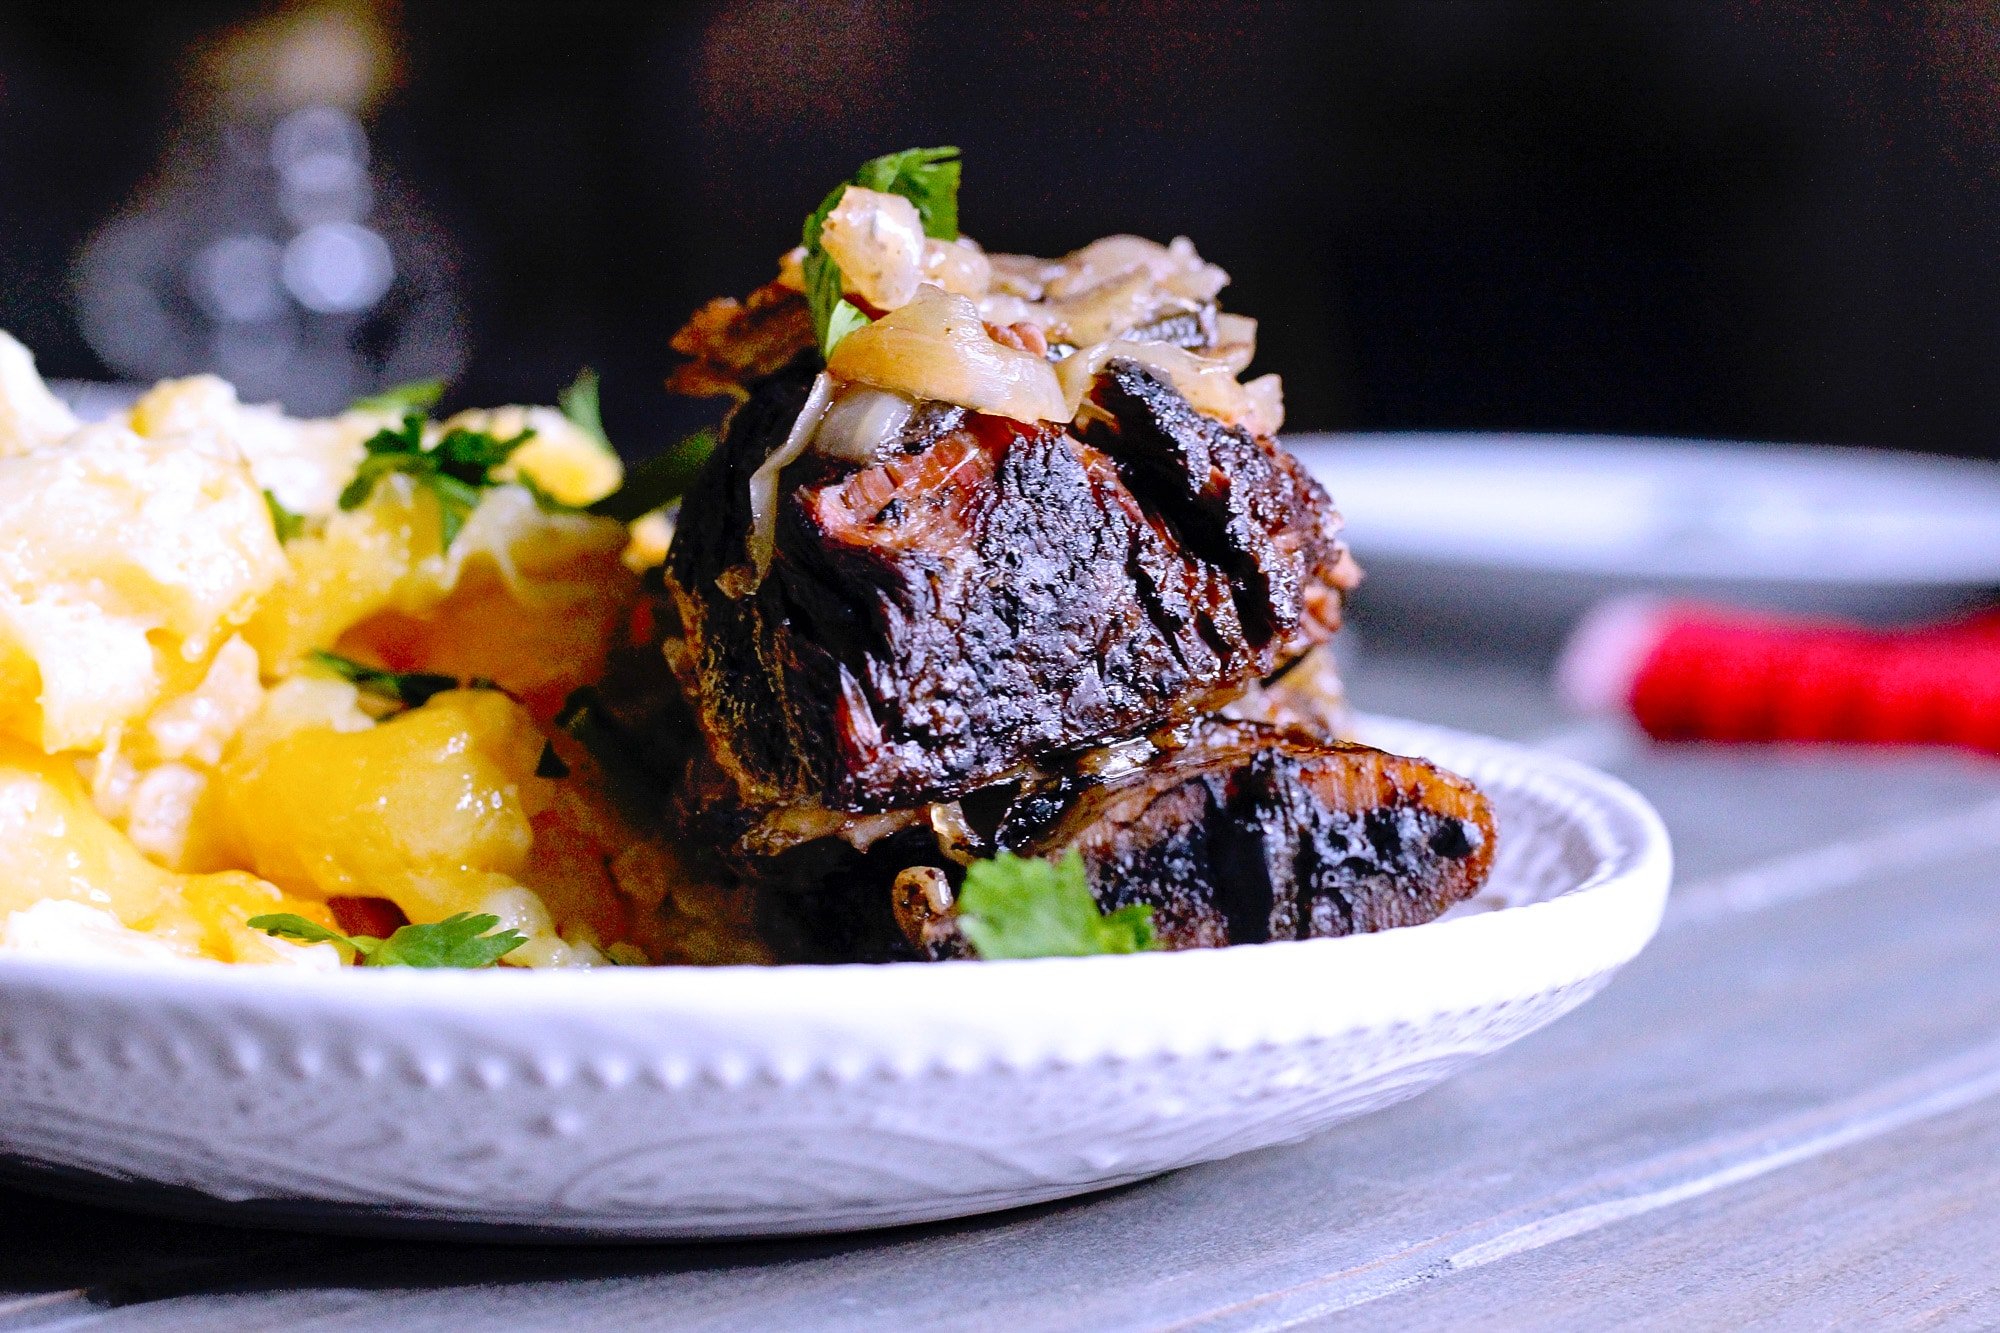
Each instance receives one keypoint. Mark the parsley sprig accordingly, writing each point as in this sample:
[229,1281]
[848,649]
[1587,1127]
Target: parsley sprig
[455,469]
[460,940]
[582,403]
[283,521]
[1022,907]
[410,688]
[928,178]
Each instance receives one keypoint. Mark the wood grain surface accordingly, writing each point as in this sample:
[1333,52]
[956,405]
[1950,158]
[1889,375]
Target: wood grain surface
[1786,1114]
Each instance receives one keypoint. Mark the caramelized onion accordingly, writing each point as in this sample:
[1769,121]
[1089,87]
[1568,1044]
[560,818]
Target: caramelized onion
[959,266]
[861,425]
[936,347]
[1266,395]
[1098,314]
[1173,268]
[954,836]
[1235,341]
[763,539]
[878,241]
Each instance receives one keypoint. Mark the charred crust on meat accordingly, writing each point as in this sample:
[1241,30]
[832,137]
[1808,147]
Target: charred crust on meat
[1253,834]
[941,633]
[1248,835]
[1030,592]
[1182,328]
[1247,505]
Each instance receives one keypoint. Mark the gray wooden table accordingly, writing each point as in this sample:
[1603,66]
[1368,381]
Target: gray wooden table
[1786,1114]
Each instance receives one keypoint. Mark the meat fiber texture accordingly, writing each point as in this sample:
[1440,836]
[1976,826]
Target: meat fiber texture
[993,594]
[1021,638]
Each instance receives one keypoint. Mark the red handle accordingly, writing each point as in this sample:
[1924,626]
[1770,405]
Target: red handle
[1721,675]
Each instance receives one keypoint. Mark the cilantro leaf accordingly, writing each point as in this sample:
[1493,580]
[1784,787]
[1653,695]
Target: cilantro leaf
[659,480]
[283,521]
[454,470]
[581,403]
[928,178]
[460,940]
[416,396]
[845,319]
[413,688]
[291,926]
[834,316]
[1016,907]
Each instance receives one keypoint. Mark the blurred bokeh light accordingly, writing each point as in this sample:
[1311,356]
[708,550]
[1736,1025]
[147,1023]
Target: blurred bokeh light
[269,245]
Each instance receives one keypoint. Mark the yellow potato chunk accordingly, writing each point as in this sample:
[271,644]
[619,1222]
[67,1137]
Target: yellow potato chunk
[304,464]
[346,573]
[30,416]
[430,809]
[54,846]
[124,563]
[527,598]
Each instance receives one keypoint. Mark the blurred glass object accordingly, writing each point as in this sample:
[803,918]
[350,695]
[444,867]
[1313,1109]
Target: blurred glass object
[271,247]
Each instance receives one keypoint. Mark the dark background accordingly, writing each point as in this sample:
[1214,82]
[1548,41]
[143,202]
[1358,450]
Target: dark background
[1756,220]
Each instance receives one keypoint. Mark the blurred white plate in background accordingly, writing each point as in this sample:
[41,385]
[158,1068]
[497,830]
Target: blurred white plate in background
[1560,520]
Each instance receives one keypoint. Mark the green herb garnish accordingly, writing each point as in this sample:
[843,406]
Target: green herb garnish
[581,403]
[412,688]
[283,521]
[1021,907]
[659,480]
[454,470]
[416,396]
[928,178]
[457,941]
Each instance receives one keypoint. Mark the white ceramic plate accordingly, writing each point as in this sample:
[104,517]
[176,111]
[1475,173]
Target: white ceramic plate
[690,1102]
[1567,518]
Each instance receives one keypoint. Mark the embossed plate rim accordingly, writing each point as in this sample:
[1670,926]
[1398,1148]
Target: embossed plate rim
[1150,1053]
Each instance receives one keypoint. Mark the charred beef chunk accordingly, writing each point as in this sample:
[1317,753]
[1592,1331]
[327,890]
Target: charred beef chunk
[1242,501]
[1244,835]
[1253,834]
[933,622]
[730,341]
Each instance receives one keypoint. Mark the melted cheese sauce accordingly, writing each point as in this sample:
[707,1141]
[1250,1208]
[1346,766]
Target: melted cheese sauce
[171,761]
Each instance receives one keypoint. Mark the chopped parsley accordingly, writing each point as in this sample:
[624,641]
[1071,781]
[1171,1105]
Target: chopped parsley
[455,470]
[660,480]
[410,688]
[416,396]
[460,940]
[928,178]
[581,403]
[283,521]
[1022,907]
